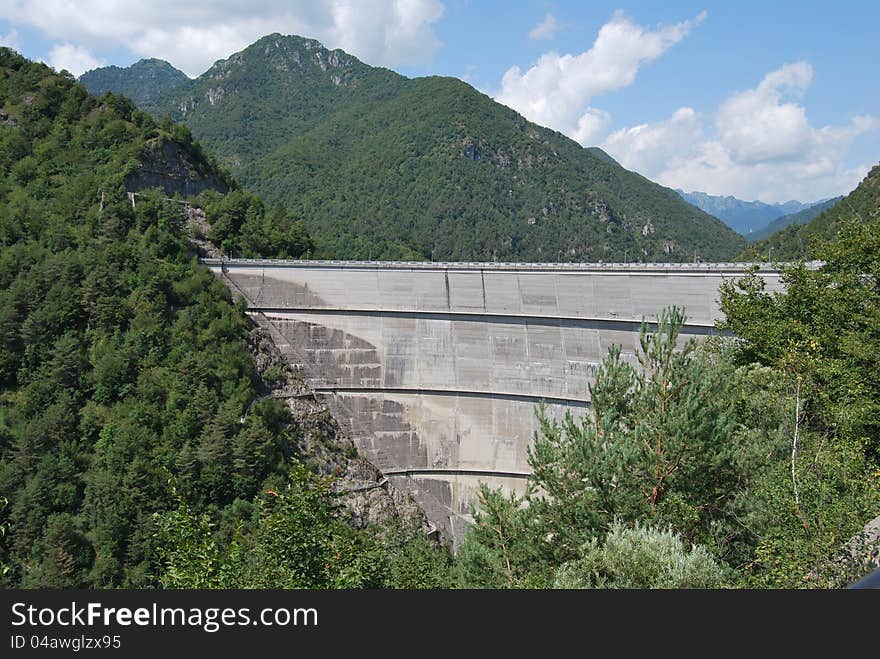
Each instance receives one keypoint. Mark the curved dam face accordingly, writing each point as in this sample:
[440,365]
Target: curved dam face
[435,369]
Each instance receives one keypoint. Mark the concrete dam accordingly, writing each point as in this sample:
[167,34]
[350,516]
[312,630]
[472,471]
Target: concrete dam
[434,369]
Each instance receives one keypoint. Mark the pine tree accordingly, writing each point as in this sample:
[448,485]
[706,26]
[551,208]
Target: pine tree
[659,443]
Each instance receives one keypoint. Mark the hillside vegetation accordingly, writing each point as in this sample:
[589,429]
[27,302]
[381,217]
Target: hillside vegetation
[147,82]
[138,447]
[751,462]
[378,165]
[133,438]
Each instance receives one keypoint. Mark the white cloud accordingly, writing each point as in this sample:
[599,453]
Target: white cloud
[761,145]
[194,34]
[75,59]
[546,29]
[11,40]
[591,126]
[557,90]
[756,126]
[651,147]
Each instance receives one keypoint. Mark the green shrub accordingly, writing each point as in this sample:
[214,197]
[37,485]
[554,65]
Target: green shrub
[640,557]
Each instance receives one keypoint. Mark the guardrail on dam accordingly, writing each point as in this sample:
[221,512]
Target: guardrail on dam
[435,368]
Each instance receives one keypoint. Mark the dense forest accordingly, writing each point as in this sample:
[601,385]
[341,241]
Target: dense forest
[148,83]
[131,429]
[377,165]
[137,448]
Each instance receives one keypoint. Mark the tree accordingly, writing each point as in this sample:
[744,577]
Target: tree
[821,334]
[677,437]
[413,560]
[661,444]
[502,548]
[64,555]
[296,541]
[123,362]
[5,568]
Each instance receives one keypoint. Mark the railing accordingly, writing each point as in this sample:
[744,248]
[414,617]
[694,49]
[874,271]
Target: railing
[477,265]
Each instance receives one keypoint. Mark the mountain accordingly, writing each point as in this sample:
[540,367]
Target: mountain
[799,218]
[117,349]
[793,242]
[379,165]
[742,216]
[136,398]
[147,82]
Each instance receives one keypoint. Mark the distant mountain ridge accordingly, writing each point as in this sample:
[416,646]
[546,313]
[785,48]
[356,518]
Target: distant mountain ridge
[801,217]
[793,242]
[743,217]
[147,82]
[379,165]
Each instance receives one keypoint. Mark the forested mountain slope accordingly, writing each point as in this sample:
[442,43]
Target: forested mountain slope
[140,445]
[148,83]
[379,165]
[136,437]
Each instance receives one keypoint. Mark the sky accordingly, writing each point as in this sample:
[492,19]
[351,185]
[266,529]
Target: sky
[769,100]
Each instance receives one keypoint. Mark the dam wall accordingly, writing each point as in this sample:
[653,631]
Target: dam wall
[435,369]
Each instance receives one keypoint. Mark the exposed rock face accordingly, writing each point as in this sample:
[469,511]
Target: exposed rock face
[865,546]
[214,94]
[197,228]
[858,557]
[861,554]
[169,167]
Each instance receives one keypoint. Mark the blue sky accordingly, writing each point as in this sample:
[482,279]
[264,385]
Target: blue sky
[766,100]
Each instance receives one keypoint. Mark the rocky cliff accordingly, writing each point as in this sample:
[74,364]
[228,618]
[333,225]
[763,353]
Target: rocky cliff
[167,165]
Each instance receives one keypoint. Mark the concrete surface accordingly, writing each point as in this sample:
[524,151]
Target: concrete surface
[435,369]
